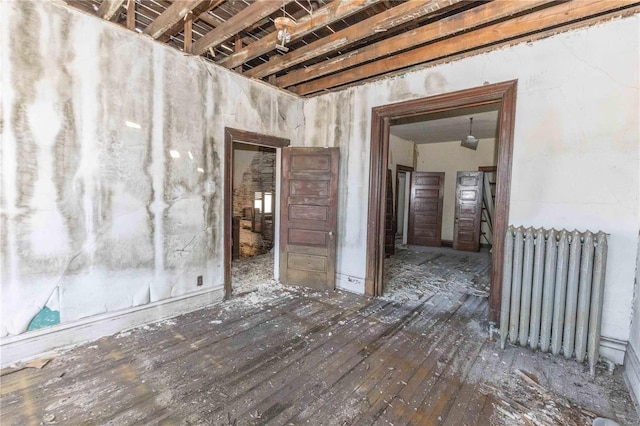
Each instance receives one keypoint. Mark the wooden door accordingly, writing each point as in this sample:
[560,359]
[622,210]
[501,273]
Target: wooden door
[468,211]
[389,223]
[425,208]
[308,216]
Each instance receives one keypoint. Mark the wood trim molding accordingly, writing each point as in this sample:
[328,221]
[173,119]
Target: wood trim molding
[230,136]
[38,342]
[503,93]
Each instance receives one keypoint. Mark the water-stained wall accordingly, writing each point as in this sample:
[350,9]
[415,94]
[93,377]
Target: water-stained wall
[112,149]
[575,159]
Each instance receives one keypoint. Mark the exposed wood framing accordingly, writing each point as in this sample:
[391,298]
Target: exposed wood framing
[200,13]
[108,8]
[237,46]
[131,14]
[523,26]
[491,12]
[381,22]
[171,16]
[243,19]
[188,32]
[326,15]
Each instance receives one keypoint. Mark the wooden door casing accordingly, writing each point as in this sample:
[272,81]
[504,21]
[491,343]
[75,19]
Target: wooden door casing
[308,216]
[425,209]
[468,211]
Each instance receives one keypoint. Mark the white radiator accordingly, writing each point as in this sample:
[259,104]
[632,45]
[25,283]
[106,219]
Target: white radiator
[552,289]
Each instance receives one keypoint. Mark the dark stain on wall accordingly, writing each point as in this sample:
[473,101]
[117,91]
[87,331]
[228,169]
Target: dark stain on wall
[435,83]
[67,151]
[27,69]
[146,169]
[215,204]
[320,120]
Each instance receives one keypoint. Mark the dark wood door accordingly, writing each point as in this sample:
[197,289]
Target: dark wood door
[308,216]
[468,211]
[425,208]
[389,223]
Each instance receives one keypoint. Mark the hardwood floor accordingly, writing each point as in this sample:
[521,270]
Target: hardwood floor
[301,357]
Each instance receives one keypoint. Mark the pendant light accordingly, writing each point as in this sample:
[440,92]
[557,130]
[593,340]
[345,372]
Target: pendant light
[470,141]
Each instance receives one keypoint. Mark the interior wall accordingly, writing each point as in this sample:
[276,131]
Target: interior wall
[99,215]
[575,159]
[632,357]
[401,152]
[450,158]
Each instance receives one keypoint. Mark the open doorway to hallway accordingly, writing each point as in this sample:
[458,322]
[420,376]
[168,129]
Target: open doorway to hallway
[382,118]
[445,168]
[251,199]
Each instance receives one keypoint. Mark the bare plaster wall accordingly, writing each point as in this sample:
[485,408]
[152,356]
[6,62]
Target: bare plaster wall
[576,157]
[450,158]
[401,152]
[97,216]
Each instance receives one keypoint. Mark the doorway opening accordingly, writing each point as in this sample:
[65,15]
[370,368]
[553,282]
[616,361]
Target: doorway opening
[251,195]
[501,94]
[444,214]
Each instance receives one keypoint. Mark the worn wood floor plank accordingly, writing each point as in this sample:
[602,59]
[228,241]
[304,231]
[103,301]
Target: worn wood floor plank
[310,357]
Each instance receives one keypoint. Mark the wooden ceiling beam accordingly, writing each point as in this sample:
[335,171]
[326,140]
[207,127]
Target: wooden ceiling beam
[403,13]
[108,8]
[523,27]
[131,14]
[199,12]
[243,19]
[469,19]
[320,18]
[170,17]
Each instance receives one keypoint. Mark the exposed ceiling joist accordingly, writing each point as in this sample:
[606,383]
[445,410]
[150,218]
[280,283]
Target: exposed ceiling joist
[131,14]
[490,12]
[246,17]
[336,43]
[322,17]
[523,26]
[199,13]
[381,22]
[171,16]
[108,8]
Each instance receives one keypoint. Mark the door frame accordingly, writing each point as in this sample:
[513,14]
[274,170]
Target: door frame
[400,169]
[251,138]
[503,93]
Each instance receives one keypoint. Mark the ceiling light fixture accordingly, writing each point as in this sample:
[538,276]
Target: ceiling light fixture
[470,141]
[284,25]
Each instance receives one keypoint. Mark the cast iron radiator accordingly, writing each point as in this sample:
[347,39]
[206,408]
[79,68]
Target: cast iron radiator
[552,289]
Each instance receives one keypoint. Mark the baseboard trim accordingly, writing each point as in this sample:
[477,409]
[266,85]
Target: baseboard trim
[613,349]
[632,375]
[35,343]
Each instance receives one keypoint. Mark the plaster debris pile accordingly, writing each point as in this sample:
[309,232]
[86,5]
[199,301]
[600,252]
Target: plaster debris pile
[416,271]
[252,279]
[525,401]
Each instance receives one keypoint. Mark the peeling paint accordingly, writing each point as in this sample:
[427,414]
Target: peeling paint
[45,318]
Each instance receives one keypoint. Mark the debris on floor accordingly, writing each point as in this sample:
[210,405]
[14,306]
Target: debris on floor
[253,283]
[416,271]
[37,363]
[530,403]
